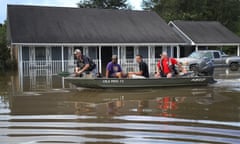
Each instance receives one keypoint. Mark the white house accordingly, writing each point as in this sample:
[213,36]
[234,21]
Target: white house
[43,38]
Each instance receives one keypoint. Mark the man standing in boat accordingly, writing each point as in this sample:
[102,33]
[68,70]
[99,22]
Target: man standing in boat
[143,69]
[113,69]
[84,64]
[166,67]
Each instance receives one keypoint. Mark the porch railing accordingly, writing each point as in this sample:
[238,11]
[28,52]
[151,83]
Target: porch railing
[131,65]
[53,67]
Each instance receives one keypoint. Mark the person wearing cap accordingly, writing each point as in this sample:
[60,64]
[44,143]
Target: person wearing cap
[166,66]
[83,63]
[113,69]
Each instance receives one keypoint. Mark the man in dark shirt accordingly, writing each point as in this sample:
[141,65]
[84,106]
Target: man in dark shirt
[143,69]
[82,63]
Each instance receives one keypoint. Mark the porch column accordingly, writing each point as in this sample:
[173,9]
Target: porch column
[118,54]
[172,51]
[63,82]
[238,50]
[62,52]
[178,51]
[85,50]
[20,62]
[100,59]
[196,48]
[20,68]
[221,48]
[136,50]
[149,59]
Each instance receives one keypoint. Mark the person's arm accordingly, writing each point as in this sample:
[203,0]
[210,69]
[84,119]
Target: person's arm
[108,68]
[107,73]
[180,67]
[87,65]
[140,73]
[141,68]
[158,68]
[77,67]
[84,68]
[174,61]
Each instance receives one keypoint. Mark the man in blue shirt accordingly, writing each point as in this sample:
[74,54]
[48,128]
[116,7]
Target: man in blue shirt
[113,69]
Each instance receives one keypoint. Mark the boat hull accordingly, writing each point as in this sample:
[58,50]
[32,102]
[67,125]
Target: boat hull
[138,83]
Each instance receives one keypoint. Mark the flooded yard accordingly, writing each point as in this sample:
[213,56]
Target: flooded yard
[36,110]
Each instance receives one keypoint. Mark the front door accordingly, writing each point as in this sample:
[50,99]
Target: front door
[106,57]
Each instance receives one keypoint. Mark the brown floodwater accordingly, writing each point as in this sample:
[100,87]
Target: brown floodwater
[43,110]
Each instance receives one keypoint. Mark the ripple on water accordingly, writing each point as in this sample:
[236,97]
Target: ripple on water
[119,129]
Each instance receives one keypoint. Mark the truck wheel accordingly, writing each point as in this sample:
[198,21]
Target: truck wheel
[234,66]
[193,67]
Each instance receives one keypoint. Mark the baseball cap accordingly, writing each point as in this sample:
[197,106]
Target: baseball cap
[114,56]
[77,51]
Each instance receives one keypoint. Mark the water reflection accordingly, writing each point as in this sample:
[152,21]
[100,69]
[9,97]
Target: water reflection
[53,114]
[182,102]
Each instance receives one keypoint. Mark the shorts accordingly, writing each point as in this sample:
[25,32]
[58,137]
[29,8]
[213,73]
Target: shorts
[165,75]
[113,75]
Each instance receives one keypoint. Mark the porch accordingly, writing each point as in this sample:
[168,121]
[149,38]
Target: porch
[54,67]
[51,60]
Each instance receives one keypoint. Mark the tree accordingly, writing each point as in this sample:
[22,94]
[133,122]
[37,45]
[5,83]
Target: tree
[5,58]
[105,4]
[225,11]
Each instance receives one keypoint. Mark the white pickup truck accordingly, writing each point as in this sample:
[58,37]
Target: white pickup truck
[220,59]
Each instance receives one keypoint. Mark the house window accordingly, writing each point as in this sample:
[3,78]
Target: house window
[40,53]
[129,52]
[25,53]
[92,52]
[169,51]
[114,50]
[56,53]
[158,51]
[175,51]
[143,51]
[66,53]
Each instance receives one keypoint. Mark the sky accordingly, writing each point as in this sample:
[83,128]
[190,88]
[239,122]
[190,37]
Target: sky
[136,4]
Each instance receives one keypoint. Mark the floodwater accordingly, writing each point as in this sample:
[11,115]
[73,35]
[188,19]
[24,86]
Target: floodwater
[58,115]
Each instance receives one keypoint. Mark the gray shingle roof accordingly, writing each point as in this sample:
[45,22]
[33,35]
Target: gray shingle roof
[207,32]
[35,24]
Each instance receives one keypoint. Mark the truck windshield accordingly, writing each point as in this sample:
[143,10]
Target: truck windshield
[197,55]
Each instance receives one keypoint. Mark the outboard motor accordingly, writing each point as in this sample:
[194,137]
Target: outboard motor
[204,67]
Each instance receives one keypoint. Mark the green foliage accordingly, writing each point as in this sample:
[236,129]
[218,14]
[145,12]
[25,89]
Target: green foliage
[5,60]
[105,4]
[225,11]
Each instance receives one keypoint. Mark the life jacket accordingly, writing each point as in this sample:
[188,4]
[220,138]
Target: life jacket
[171,67]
